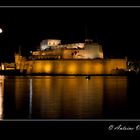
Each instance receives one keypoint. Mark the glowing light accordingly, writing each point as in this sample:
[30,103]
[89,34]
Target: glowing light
[101,55]
[86,68]
[72,68]
[53,42]
[2,66]
[98,68]
[48,68]
[43,47]
[1,30]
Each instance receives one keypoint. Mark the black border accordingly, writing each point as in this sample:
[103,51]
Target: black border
[64,129]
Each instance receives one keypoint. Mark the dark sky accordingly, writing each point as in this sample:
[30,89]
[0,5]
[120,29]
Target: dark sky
[116,29]
[69,2]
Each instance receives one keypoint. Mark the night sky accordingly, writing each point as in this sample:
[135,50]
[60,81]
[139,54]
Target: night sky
[116,29]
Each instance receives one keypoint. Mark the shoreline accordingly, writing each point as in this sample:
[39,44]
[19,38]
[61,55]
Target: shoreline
[40,74]
[17,73]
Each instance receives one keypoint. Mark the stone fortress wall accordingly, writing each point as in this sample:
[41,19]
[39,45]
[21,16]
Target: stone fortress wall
[77,58]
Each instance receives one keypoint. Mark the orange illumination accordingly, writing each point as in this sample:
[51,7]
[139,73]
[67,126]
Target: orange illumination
[98,69]
[86,68]
[48,68]
[60,68]
[72,68]
[37,67]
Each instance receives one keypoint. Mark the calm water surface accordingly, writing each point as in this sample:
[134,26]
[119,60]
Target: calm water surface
[69,97]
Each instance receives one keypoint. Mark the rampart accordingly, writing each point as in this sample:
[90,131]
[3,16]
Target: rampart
[63,66]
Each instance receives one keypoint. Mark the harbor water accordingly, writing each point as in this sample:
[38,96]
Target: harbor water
[69,97]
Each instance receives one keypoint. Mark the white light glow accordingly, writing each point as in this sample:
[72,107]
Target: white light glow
[1,30]
[2,66]
[45,46]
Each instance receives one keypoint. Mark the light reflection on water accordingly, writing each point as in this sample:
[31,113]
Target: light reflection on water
[1,96]
[30,98]
[63,97]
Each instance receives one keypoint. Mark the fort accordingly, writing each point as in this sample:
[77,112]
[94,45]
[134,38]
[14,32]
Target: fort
[52,57]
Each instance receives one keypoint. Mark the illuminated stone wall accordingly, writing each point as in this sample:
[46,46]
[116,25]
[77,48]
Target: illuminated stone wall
[49,42]
[52,49]
[111,64]
[18,61]
[75,66]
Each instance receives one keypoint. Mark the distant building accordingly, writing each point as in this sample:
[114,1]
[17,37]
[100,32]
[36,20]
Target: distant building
[53,49]
[52,57]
